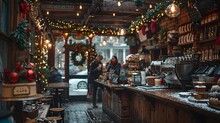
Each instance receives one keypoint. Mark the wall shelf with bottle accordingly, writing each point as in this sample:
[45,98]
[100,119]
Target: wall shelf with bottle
[207,40]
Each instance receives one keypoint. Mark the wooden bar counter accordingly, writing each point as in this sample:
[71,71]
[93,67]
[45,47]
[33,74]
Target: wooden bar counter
[127,104]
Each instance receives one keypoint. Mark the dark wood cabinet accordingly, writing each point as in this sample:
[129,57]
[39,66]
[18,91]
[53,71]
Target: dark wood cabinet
[131,105]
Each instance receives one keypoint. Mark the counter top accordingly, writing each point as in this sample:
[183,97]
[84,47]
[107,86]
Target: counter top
[169,96]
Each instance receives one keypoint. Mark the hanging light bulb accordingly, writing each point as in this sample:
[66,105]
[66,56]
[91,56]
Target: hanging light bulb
[172,10]
[80,6]
[77,14]
[150,6]
[48,12]
[119,3]
[113,14]
[104,43]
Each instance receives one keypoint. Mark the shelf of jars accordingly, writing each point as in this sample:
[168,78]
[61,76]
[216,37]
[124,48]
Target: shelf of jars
[186,34]
[133,64]
[210,53]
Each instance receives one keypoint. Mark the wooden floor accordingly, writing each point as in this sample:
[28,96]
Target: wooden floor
[82,112]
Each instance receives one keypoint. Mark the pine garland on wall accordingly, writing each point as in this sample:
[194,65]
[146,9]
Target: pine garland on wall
[21,35]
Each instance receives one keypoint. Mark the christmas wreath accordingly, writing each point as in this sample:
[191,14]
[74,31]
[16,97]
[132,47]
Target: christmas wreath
[78,58]
[21,35]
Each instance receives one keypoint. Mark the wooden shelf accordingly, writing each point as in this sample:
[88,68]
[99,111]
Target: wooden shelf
[208,12]
[210,23]
[184,23]
[188,43]
[207,40]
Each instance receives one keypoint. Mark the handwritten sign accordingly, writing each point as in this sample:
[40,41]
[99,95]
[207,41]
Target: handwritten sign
[21,90]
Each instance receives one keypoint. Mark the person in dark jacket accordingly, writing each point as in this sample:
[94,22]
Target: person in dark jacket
[114,66]
[94,73]
[55,76]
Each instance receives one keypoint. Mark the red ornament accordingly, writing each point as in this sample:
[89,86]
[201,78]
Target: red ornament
[32,64]
[13,77]
[30,75]
[18,68]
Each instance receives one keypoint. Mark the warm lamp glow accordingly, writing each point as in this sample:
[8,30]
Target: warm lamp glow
[48,12]
[172,10]
[66,34]
[47,41]
[122,32]
[104,43]
[80,6]
[49,45]
[91,35]
[150,6]
[119,3]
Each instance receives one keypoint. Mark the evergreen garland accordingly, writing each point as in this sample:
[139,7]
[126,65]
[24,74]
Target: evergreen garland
[138,3]
[21,34]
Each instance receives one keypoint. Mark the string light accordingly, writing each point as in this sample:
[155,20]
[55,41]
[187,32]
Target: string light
[80,6]
[150,6]
[119,3]
[48,12]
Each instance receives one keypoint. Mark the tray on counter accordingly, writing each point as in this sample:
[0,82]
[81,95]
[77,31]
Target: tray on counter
[212,106]
[192,99]
[147,87]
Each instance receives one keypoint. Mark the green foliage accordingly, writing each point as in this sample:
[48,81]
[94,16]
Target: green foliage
[138,3]
[21,35]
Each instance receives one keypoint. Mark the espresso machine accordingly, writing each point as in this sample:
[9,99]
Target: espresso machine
[206,68]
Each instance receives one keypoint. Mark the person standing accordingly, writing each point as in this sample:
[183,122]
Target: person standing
[94,73]
[114,67]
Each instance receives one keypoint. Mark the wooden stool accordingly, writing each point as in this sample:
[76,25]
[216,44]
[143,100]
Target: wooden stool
[56,112]
[46,100]
[54,118]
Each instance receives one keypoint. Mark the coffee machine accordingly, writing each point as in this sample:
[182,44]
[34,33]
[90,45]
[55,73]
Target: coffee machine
[207,68]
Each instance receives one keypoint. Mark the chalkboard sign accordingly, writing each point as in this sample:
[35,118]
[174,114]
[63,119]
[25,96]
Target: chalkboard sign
[194,14]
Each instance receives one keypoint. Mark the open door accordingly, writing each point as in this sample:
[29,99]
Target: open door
[76,70]
[77,74]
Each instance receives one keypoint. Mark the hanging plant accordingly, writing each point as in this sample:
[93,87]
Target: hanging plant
[78,58]
[21,35]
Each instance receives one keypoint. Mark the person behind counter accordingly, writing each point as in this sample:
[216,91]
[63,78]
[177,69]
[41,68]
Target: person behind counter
[55,76]
[94,73]
[114,66]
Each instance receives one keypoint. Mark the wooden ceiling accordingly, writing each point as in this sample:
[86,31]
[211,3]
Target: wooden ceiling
[94,12]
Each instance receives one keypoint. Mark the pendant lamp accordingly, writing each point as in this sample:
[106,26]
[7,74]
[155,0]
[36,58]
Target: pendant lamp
[172,10]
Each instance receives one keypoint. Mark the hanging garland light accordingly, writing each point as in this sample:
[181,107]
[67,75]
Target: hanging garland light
[172,10]
[153,13]
[86,30]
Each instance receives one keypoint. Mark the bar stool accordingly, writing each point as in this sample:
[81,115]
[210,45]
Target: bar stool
[47,99]
[54,119]
[57,112]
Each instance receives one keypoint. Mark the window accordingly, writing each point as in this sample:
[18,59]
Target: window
[4,15]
